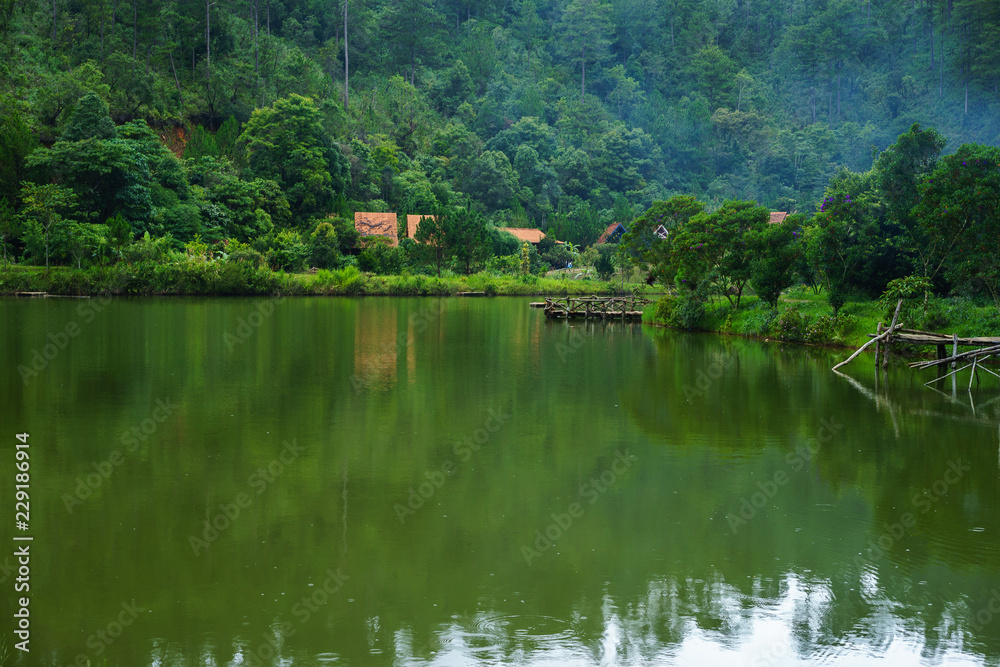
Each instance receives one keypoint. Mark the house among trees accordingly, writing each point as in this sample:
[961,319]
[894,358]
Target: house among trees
[377,224]
[613,233]
[777,217]
[526,234]
[412,221]
[661,232]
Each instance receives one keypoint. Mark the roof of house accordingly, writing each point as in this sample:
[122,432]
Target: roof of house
[612,228]
[777,217]
[411,224]
[524,233]
[661,232]
[377,224]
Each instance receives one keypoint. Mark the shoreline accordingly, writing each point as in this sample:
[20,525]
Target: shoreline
[804,318]
[220,279]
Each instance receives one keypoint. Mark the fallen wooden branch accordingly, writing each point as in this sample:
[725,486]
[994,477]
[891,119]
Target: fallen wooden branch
[861,349]
[983,351]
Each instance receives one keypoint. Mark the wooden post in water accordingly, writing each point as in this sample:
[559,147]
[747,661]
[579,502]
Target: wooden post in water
[888,340]
[878,332]
[954,348]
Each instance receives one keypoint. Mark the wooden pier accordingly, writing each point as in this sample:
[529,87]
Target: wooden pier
[603,307]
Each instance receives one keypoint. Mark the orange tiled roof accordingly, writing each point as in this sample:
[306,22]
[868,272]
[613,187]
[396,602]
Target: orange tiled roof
[777,217]
[377,224]
[524,233]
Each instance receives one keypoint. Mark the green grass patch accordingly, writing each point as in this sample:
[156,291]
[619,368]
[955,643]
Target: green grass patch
[803,316]
[217,278]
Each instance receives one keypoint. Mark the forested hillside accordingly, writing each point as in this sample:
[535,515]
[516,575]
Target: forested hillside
[240,119]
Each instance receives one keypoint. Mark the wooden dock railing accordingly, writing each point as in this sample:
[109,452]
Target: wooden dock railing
[604,307]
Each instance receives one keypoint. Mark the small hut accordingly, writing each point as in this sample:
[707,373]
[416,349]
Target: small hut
[378,224]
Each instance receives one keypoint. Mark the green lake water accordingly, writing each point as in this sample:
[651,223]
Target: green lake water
[389,481]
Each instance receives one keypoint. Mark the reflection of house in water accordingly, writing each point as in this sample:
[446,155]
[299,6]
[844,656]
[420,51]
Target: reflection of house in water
[380,340]
[376,346]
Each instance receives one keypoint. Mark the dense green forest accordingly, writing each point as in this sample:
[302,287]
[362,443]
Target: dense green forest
[248,124]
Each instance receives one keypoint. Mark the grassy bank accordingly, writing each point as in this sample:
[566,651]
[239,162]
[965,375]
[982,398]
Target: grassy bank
[219,278]
[803,316]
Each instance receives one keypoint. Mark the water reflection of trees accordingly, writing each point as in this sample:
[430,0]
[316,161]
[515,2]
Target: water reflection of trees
[653,562]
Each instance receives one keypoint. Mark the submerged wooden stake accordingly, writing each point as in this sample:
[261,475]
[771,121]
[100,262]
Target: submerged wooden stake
[888,340]
[878,332]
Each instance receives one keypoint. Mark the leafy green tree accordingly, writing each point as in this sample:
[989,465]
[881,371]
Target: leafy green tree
[413,31]
[44,210]
[17,141]
[584,30]
[452,88]
[844,238]
[60,89]
[713,74]
[286,251]
[604,265]
[899,171]
[324,248]
[8,226]
[715,248]
[119,234]
[90,120]
[108,176]
[249,208]
[775,250]
[287,143]
[467,238]
[959,211]
[432,236]
[380,257]
[642,246]
[85,240]
[491,179]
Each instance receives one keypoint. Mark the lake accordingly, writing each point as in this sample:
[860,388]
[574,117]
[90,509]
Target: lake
[395,481]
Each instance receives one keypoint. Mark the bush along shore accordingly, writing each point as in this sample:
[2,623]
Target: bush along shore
[806,317]
[224,278]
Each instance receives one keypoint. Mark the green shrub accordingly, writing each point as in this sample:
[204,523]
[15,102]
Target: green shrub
[685,310]
[790,325]
[381,258]
[324,246]
[148,249]
[287,252]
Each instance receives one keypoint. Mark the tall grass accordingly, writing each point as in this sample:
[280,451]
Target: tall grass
[220,277]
